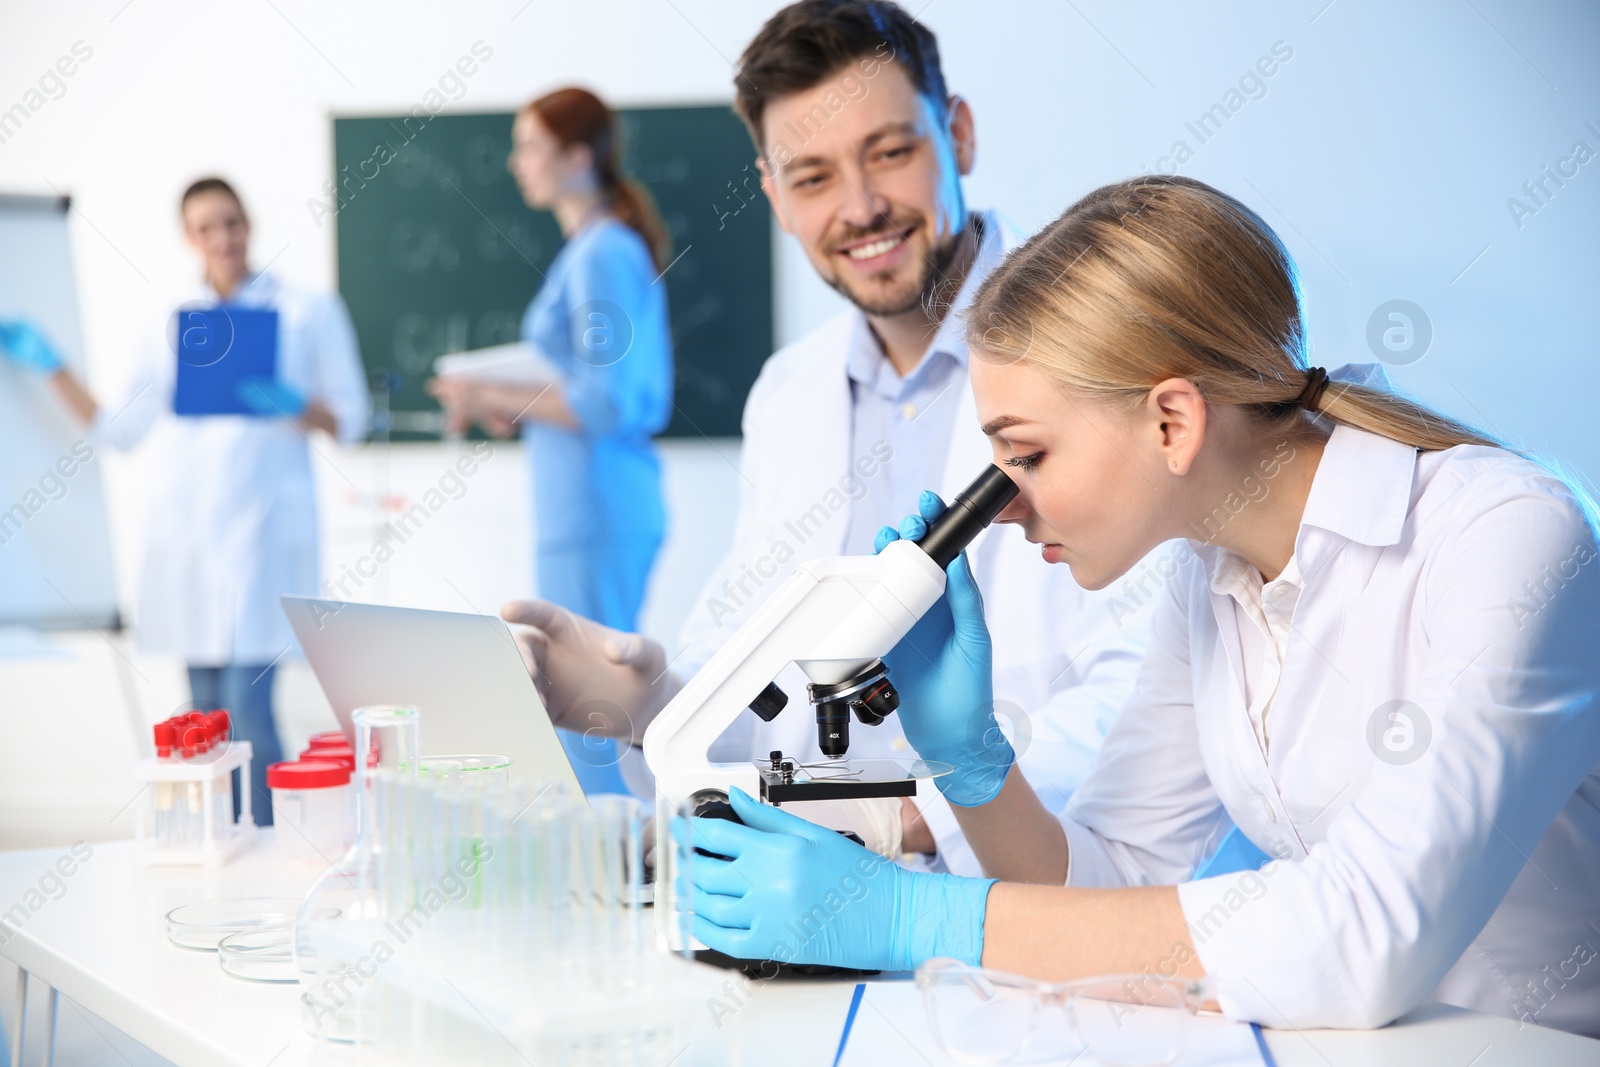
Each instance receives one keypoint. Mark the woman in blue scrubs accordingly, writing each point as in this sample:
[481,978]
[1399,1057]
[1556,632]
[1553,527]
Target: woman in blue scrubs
[601,317]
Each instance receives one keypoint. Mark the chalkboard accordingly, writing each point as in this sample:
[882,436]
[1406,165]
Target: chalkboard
[438,252]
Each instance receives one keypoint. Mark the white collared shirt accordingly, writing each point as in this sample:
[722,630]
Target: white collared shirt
[1432,787]
[912,415]
[1265,614]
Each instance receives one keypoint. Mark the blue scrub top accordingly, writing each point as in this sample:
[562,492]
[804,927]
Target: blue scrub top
[599,520]
[602,318]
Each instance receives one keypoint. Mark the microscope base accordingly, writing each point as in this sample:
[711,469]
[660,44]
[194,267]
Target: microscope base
[765,969]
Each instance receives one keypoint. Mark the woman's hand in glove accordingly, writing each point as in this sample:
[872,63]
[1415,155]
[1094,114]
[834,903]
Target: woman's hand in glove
[795,892]
[943,670]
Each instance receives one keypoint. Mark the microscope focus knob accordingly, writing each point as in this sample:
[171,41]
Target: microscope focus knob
[712,804]
[769,702]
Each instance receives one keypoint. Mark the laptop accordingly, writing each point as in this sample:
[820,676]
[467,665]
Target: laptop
[462,672]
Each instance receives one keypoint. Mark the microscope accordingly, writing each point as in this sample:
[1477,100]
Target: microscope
[834,619]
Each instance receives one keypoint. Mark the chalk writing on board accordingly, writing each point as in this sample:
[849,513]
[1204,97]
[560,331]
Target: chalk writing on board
[416,167]
[697,314]
[672,171]
[743,190]
[416,246]
[420,339]
[708,385]
[499,237]
[486,159]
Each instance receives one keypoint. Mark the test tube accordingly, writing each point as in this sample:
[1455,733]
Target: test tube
[165,737]
[218,731]
[194,815]
[675,872]
[620,822]
[553,919]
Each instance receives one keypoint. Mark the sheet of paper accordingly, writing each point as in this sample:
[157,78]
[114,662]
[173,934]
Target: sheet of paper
[518,363]
[892,1026]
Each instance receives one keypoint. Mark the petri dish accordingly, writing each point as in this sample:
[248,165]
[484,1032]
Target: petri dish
[204,924]
[261,955]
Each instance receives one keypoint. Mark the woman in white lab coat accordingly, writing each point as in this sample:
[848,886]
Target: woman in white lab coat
[232,514]
[1379,663]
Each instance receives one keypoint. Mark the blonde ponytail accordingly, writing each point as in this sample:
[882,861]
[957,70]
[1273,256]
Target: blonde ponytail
[1396,416]
[1165,277]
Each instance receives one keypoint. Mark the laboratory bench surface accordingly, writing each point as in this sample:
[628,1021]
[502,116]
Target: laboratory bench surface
[101,941]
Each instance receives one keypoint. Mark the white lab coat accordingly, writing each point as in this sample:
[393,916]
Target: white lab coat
[232,515]
[1064,660]
[1453,852]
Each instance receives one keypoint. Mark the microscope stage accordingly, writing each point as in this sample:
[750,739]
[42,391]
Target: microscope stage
[785,780]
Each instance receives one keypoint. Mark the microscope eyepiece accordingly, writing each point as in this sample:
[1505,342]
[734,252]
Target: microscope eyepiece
[974,507]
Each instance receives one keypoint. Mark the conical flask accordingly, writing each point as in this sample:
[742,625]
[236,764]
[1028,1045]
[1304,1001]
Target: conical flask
[346,904]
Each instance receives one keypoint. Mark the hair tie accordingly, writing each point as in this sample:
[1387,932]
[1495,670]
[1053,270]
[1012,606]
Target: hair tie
[1316,385]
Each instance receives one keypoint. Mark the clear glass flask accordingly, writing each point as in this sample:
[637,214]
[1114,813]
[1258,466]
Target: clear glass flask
[346,905]
[485,769]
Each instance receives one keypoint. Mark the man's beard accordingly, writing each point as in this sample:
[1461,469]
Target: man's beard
[925,292]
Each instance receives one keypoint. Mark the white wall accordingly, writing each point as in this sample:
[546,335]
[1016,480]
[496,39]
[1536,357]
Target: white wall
[1385,149]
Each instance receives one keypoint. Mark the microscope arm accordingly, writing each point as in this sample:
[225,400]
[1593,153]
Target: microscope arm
[833,618]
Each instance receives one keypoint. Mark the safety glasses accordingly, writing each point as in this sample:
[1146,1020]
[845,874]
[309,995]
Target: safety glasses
[988,1017]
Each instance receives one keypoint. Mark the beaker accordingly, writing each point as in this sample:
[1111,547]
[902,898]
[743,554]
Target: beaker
[332,954]
[489,770]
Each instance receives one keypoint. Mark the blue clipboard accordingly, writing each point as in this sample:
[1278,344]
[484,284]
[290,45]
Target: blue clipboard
[219,346]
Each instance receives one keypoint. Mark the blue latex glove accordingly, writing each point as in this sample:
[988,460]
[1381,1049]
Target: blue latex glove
[796,892]
[268,396]
[26,346]
[943,670]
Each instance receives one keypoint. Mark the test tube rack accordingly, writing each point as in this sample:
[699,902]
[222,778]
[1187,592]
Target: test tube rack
[184,815]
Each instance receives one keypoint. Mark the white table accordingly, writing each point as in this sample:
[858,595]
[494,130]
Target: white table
[103,943]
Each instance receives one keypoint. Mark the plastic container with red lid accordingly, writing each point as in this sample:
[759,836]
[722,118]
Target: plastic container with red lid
[335,753]
[313,809]
[308,774]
